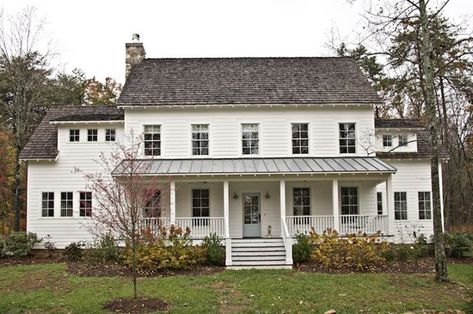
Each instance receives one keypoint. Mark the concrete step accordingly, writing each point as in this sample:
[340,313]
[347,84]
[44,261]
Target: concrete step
[259,258]
[259,253]
[258,263]
[243,267]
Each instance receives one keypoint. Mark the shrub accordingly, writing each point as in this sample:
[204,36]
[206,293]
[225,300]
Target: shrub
[302,250]
[356,252]
[104,250]
[73,252]
[457,243]
[171,250]
[49,246]
[215,250]
[19,244]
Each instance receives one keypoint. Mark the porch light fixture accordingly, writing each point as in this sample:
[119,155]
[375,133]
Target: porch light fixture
[267,196]
[235,196]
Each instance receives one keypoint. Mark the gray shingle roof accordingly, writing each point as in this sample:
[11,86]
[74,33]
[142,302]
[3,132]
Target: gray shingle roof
[43,143]
[232,166]
[195,81]
[398,124]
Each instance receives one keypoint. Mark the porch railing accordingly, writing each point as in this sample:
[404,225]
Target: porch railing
[369,224]
[202,226]
[199,227]
[304,224]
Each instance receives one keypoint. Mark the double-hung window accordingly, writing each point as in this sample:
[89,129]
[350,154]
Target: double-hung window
[74,135]
[152,207]
[349,205]
[300,138]
[85,204]
[379,202]
[47,204]
[200,139]
[250,139]
[152,137]
[400,205]
[301,201]
[403,140]
[347,138]
[92,135]
[66,204]
[110,135]
[387,140]
[425,209]
[200,206]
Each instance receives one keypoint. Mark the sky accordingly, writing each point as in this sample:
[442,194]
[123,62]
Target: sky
[91,34]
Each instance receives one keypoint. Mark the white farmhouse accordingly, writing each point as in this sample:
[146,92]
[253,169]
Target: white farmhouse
[253,149]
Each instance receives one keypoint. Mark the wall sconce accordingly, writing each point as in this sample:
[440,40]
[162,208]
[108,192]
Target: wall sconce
[267,196]
[235,196]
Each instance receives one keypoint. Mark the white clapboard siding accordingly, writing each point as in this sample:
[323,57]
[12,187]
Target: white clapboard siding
[274,128]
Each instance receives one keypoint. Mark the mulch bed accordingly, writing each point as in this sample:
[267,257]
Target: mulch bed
[87,269]
[139,305]
[423,265]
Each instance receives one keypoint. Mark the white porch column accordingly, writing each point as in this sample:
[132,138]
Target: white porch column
[226,222]
[172,202]
[441,195]
[282,203]
[335,207]
[390,204]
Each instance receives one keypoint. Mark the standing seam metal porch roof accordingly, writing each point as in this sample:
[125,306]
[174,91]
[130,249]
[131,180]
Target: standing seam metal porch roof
[236,166]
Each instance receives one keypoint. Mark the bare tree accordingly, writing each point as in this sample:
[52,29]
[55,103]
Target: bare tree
[121,190]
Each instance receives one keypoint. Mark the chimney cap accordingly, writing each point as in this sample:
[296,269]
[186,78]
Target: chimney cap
[135,37]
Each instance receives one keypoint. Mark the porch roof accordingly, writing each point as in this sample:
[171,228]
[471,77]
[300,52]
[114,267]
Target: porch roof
[254,166]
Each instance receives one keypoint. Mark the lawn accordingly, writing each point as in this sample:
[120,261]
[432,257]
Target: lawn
[48,288]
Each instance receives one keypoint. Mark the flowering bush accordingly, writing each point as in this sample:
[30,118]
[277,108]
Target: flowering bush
[172,249]
[356,252]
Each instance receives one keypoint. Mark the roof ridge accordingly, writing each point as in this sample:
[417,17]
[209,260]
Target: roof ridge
[250,58]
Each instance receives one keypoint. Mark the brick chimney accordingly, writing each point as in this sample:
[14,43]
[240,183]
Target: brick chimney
[135,53]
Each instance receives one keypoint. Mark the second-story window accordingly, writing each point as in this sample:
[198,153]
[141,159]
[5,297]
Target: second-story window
[347,138]
[200,139]
[250,139]
[92,135]
[110,135]
[403,140]
[74,135]
[387,140]
[300,138]
[152,137]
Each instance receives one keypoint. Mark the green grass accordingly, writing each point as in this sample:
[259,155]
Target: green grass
[50,288]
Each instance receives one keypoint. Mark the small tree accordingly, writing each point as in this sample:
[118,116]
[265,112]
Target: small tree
[120,192]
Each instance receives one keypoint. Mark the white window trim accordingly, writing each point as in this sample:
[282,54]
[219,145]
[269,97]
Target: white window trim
[338,138]
[209,155]
[160,156]
[394,206]
[431,209]
[301,186]
[358,199]
[309,132]
[241,140]
[69,135]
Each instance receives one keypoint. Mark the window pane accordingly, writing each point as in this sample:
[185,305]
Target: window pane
[250,141]
[152,140]
[200,203]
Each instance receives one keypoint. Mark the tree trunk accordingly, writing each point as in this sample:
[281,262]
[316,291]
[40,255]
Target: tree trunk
[440,258]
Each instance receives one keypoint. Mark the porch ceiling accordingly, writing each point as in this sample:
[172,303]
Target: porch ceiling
[254,166]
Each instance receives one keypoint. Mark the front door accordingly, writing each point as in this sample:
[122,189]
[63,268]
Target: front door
[251,215]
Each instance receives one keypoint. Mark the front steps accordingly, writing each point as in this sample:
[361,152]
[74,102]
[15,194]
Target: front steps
[258,253]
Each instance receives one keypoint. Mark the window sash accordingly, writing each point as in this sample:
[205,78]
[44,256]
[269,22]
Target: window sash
[425,205]
[250,139]
[387,140]
[379,202]
[85,204]
[74,135]
[92,135]
[152,207]
[200,139]
[400,205]
[347,138]
[152,140]
[402,140]
[300,138]
[301,201]
[200,203]
[47,204]
[67,204]
[349,201]
[110,135]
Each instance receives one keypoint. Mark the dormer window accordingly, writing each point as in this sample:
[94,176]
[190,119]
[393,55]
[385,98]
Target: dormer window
[387,140]
[403,140]
[74,135]
[92,135]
